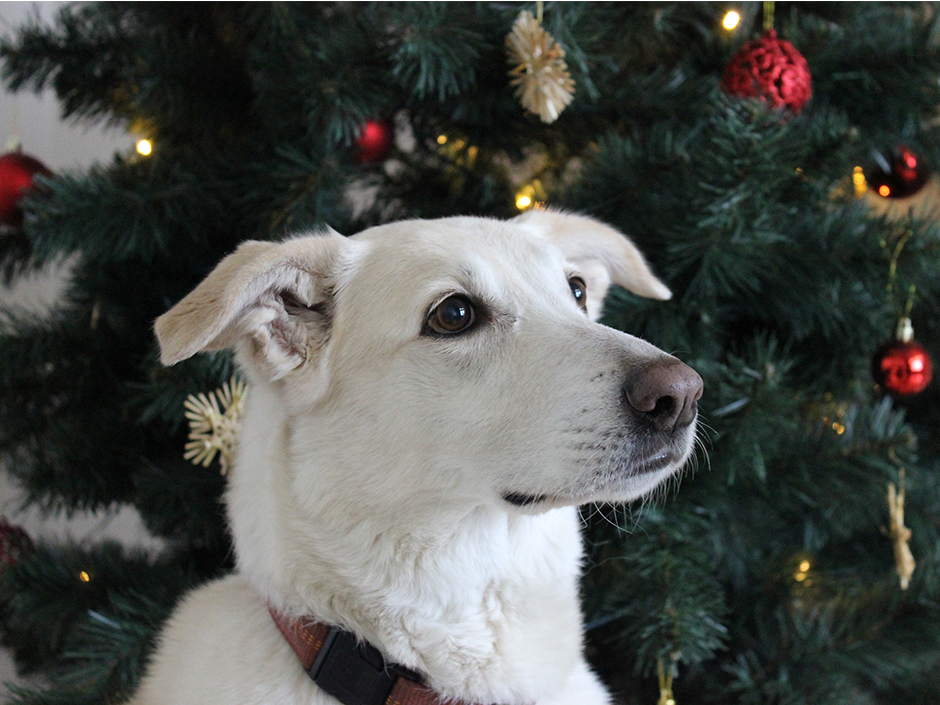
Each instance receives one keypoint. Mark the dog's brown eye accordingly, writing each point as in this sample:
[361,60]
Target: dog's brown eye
[453,315]
[579,291]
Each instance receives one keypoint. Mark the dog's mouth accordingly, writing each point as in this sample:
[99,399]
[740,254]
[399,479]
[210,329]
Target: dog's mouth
[655,464]
[658,462]
[525,500]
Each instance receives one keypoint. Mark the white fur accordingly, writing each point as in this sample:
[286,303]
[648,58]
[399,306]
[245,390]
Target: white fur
[372,463]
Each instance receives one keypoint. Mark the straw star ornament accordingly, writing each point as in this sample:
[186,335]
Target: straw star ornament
[213,424]
[540,74]
[900,534]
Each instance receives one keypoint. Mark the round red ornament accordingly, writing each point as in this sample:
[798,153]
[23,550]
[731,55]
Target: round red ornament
[14,544]
[902,366]
[16,178]
[903,176]
[374,141]
[770,69]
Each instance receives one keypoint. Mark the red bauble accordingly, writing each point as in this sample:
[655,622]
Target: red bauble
[16,177]
[770,69]
[902,368]
[14,544]
[374,141]
[903,176]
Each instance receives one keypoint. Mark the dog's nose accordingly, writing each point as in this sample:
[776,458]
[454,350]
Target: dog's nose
[665,394]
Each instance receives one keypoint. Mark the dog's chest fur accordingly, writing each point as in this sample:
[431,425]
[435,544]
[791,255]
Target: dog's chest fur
[429,610]
[461,595]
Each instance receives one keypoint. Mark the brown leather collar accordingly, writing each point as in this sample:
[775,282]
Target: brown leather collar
[352,671]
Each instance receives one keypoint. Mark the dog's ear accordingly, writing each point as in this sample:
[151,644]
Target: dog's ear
[273,301]
[602,254]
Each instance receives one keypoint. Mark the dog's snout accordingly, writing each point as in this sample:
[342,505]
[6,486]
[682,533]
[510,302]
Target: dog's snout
[664,394]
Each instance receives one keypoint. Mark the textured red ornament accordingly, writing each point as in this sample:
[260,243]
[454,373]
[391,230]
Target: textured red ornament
[14,544]
[902,368]
[904,176]
[375,141]
[770,69]
[16,177]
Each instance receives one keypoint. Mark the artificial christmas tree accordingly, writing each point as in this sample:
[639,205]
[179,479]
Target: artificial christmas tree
[770,575]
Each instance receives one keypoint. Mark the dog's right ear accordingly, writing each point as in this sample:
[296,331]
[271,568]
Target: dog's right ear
[273,301]
[604,255]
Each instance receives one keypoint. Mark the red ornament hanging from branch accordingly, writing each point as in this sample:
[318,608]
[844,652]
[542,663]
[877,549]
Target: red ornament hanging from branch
[14,544]
[17,171]
[770,69]
[902,366]
[374,141]
[903,176]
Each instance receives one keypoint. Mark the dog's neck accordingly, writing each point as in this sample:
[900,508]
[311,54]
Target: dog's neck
[445,592]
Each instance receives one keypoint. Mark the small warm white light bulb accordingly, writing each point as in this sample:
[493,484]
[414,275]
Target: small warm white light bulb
[859,182]
[731,20]
[84,577]
[144,147]
[523,202]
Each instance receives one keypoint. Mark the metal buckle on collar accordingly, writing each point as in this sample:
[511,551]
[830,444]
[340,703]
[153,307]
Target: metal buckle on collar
[354,672]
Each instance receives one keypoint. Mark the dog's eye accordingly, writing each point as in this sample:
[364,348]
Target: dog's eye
[579,291]
[453,315]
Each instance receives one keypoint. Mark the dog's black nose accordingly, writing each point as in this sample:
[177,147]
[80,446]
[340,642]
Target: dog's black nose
[665,394]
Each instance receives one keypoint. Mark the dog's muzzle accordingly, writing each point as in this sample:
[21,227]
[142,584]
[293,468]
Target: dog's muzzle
[660,403]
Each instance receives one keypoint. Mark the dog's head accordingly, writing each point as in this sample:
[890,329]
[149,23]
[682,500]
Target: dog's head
[455,360]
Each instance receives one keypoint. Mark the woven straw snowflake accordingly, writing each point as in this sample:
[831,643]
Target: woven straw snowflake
[213,424]
[540,74]
[900,535]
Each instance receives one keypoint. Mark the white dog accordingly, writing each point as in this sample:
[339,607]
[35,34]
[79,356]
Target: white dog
[429,403]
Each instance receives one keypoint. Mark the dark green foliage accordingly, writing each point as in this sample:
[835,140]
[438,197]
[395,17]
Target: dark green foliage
[87,618]
[781,295]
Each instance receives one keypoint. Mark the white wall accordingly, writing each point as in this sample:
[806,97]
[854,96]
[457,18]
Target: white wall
[37,118]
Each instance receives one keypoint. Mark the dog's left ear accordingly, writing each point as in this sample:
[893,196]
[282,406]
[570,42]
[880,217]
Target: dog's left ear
[273,302]
[602,255]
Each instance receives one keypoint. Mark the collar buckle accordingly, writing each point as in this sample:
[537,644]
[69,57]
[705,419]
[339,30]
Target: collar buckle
[353,672]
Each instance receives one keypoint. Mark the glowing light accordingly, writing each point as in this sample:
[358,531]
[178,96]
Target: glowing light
[858,179]
[801,574]
[442,139]
[731,20]
[84,577]
[916,364]
[884,190]
[144,147]
[838,428]
[531,195]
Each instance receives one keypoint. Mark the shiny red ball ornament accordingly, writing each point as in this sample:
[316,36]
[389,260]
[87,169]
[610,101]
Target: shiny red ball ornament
[902,366]
[374,141]
[903,176]
[770,69]
[14,544]
[17,171]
